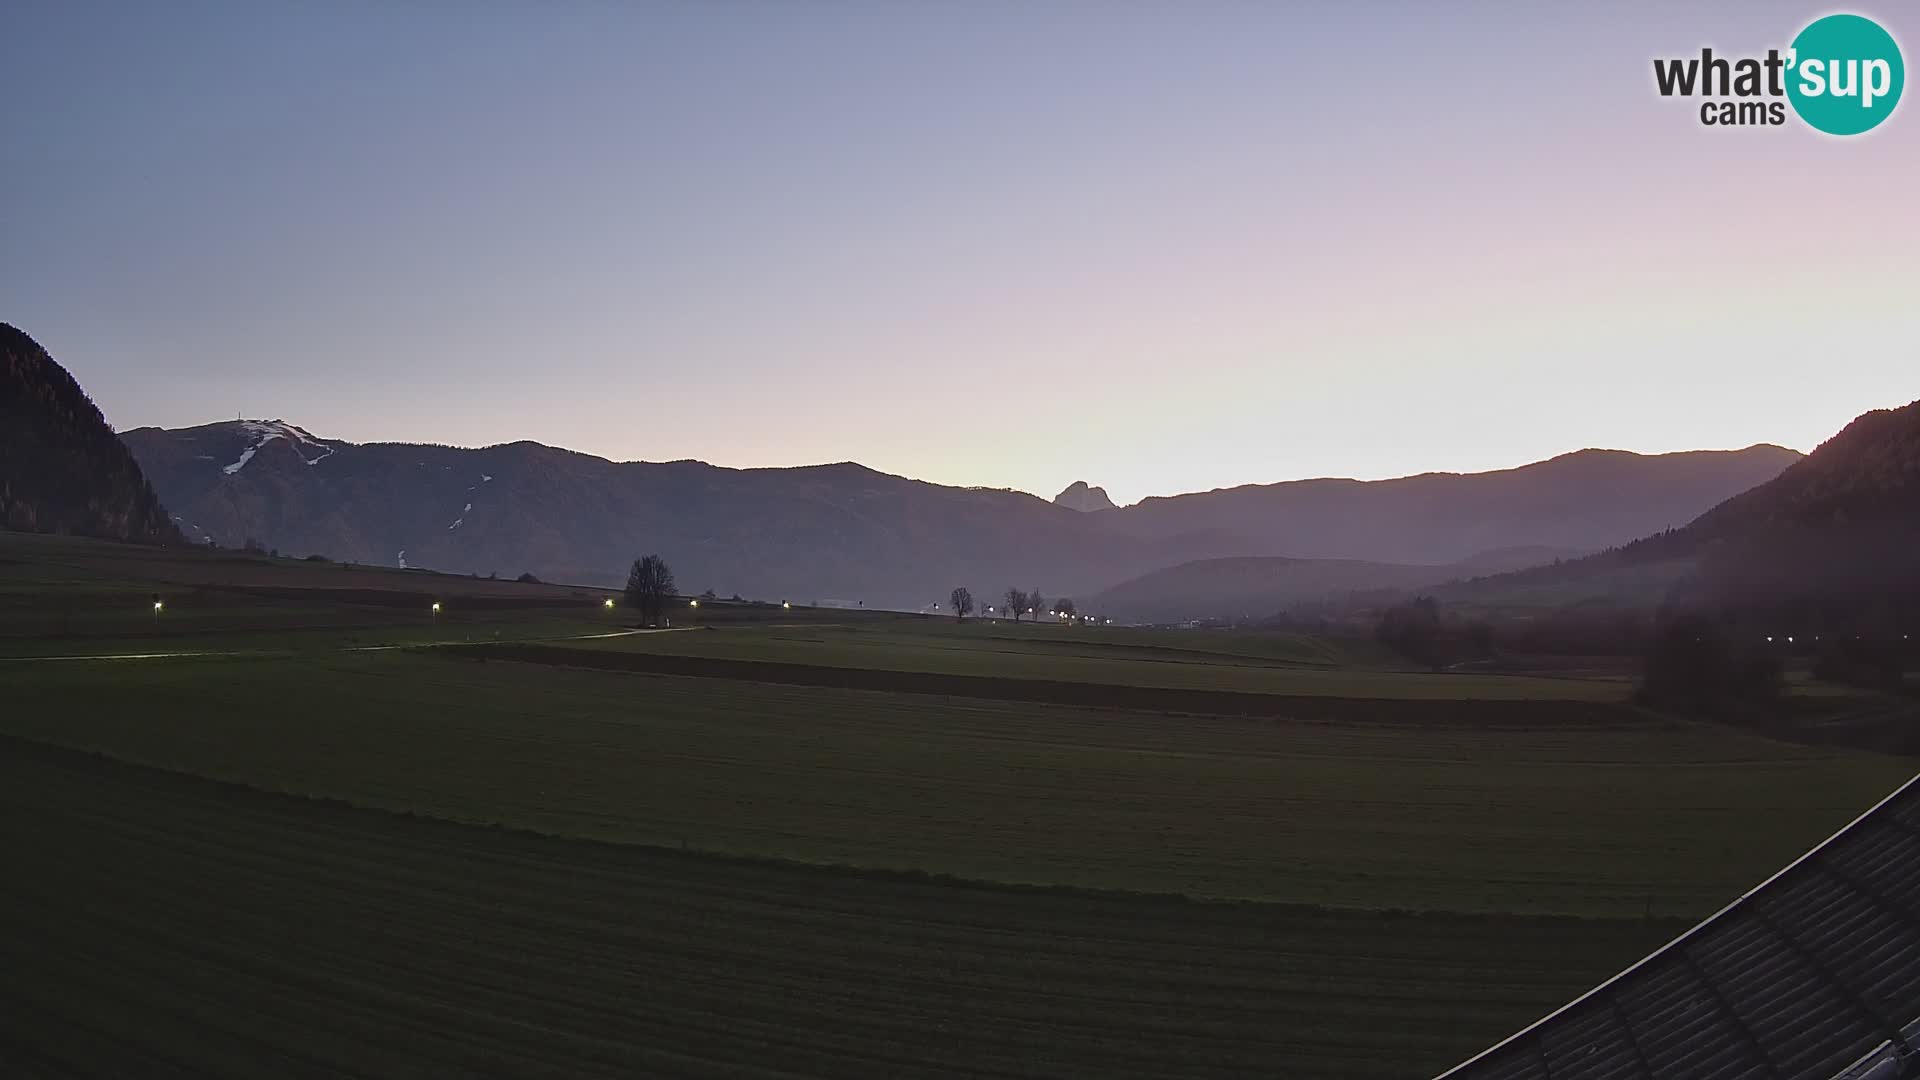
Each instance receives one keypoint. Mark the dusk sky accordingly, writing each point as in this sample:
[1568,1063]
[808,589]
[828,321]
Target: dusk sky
[1158,247]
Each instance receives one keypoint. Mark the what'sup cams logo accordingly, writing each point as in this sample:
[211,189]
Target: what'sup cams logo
[1842,75]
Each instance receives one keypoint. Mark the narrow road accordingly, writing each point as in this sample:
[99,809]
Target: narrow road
[344,648]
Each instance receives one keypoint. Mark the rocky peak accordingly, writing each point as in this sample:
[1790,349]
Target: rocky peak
[1078,496]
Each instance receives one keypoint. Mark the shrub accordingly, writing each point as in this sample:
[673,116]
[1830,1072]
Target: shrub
[1413,630]
[1861,661]
[1692,667]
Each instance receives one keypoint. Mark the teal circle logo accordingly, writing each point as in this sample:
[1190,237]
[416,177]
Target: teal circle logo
[1845,74]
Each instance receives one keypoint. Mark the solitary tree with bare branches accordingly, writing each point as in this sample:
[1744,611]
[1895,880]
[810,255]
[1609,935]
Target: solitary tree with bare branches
[962,600]
[649,586]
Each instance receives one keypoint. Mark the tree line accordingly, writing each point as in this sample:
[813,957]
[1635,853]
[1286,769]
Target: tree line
[1725,664]
[650,586]
[1017,602]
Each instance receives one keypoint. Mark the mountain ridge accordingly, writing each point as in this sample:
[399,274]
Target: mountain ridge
[1584,453]
[1079,496]
[838,529]
[1834,531]
[62,468]
[1259,586]
[1559,502]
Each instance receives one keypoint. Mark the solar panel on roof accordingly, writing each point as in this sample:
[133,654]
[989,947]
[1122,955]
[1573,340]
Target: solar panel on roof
[1812,975]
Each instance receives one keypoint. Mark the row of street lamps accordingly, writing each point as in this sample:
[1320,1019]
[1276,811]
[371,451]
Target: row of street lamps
[607,604]
[785,605]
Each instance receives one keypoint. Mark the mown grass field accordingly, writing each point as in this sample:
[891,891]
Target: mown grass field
[1584,810]
[165,926]
[1195,660]
[65,596]
[62,595]
[285,856]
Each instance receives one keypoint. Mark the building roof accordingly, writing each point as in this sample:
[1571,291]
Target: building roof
[1812,975]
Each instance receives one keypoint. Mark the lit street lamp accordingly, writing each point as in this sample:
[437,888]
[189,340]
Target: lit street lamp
[608,603]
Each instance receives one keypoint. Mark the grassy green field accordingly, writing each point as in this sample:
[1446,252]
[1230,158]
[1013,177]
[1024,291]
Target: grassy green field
[1192,660]
[1607,813]
[61,595]
[163,926]
[291,855]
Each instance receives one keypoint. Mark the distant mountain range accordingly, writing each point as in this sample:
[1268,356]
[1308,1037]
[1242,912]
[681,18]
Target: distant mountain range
[847,532]
[1835,534]
[822,532]
[1582,501]
[1254,587]
[61,468]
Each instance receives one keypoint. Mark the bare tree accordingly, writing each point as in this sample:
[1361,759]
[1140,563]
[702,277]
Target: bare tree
[962,599]
[1016,603]
[1064,607]
[1036,603]
[649,586]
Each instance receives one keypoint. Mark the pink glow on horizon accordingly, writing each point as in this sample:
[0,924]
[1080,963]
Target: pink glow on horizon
[1158,249]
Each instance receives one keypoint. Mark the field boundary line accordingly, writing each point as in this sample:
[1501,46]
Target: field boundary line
[1483,713]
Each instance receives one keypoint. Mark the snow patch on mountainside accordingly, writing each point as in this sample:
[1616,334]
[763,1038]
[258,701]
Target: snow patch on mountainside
[311,450]
[245,456]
